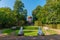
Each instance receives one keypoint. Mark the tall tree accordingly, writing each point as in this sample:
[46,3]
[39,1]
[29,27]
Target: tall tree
[35,12]
[49,13]
[53,7]
[20,11]
[7,17]
[40,14]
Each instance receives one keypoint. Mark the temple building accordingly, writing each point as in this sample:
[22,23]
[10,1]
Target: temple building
[30,21]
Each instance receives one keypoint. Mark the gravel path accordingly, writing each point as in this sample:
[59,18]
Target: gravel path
[57,30]
[47,37]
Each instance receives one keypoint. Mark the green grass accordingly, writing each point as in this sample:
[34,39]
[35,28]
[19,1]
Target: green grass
[30,27]
[8,31]
[28,33]
[31,33]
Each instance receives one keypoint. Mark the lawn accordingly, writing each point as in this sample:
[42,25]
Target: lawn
[28,31]
[51,32]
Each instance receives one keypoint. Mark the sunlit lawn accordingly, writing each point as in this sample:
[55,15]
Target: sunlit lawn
[28,31]
[51,32]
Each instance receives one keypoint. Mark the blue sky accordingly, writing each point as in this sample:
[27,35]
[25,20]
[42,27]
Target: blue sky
[29,4]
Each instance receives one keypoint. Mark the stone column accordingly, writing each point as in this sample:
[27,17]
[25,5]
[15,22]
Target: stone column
[21,33]
[40,32]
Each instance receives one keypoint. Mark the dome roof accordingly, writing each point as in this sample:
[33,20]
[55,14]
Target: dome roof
[29,17]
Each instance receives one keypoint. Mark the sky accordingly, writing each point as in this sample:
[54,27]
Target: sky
[30,5]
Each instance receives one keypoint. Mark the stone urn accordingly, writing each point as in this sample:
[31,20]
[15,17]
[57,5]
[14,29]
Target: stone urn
[40,32]
[21,33]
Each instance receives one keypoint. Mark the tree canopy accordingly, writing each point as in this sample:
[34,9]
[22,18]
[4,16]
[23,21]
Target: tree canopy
[15,17]
[49,13]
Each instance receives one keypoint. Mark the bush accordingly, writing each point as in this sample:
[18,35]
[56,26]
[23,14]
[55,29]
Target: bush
[37,23]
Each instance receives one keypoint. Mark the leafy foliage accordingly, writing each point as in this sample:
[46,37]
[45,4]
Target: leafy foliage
[20,11]
[49,13]
[15,17]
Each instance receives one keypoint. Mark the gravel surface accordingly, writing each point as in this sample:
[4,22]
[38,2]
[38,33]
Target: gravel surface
[46,37]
